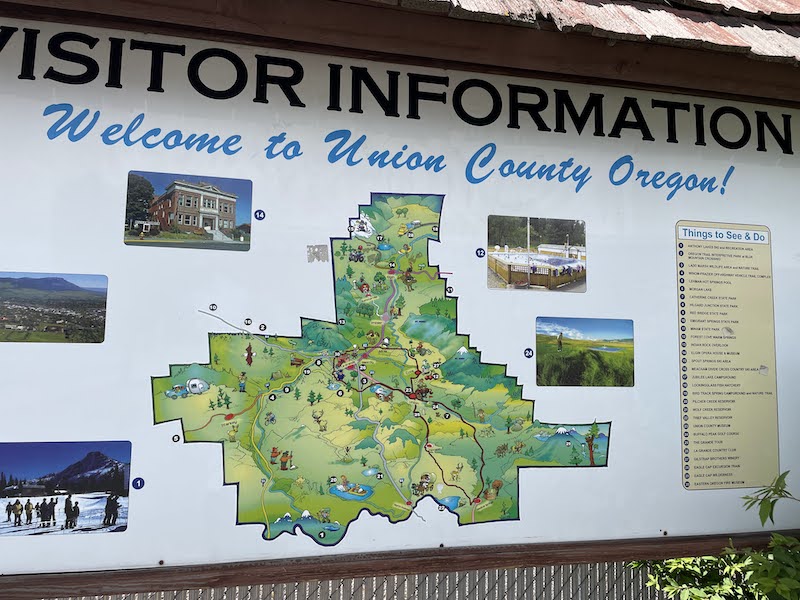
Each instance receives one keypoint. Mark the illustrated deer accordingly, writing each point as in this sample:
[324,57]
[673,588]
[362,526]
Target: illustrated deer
[456,473]
[317,416]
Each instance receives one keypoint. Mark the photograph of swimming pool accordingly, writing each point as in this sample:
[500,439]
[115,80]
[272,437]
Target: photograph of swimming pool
[584,352]
[536,253]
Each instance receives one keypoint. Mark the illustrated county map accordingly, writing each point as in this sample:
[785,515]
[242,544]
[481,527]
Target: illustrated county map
[385,407]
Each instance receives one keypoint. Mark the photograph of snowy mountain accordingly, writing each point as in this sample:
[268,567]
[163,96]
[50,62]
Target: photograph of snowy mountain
[64,487]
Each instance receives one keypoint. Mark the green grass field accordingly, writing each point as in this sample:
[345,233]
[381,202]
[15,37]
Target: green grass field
[31,336]
[580,364]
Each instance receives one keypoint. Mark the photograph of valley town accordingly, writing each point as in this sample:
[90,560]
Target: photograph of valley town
[171,210]
[52,307]
[54,488]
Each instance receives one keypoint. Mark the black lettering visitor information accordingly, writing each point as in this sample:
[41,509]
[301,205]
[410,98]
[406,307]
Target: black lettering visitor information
[76,58]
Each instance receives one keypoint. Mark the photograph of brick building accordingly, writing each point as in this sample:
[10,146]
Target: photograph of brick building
[192,205]
[175,210]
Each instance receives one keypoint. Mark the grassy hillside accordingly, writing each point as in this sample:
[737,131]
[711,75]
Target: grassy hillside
[581,363]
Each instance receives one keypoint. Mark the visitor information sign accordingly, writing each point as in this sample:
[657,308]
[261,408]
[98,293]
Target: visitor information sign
[258,304]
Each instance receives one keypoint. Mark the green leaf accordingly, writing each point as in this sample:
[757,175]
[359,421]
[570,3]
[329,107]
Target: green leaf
[765,511]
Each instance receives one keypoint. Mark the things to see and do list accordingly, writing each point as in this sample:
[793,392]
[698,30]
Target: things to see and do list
[729,412]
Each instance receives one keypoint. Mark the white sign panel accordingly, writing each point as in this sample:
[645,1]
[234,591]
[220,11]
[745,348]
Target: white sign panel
[258,304]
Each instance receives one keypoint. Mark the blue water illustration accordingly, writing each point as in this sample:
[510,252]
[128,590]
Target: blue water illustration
[450,502]
[369,472]
[350,495]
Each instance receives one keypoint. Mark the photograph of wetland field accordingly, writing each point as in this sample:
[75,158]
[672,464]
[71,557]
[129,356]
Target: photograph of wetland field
[52,307]
[584,352]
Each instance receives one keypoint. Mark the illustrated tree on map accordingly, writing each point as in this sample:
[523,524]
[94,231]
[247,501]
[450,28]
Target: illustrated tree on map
[394,383]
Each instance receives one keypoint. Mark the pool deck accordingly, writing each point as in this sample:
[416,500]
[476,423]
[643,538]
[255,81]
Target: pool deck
[495,282]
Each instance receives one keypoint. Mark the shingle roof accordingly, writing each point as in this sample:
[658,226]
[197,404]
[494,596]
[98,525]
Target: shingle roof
[764,29]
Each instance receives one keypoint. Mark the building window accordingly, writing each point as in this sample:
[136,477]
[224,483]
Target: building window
[180,200]
[180,218]
[194,219]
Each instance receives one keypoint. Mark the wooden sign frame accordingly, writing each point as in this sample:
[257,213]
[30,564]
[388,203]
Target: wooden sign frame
[383,33]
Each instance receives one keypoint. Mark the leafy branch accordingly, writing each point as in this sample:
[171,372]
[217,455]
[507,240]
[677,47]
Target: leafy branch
[770,574]
[767,497]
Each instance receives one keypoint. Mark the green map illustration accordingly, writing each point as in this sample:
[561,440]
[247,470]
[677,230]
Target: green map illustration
[386,406]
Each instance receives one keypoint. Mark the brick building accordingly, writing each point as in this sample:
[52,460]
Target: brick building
[191,206]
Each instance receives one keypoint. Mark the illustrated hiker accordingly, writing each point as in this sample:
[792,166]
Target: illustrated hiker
[560,340]
[28,512]
[242,381]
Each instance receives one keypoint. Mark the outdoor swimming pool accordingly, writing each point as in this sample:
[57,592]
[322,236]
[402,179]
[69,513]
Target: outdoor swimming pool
[536,259]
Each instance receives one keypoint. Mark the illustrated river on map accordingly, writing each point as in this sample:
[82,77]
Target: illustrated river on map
[376,411]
